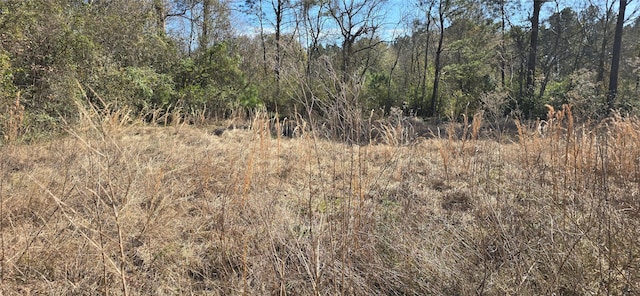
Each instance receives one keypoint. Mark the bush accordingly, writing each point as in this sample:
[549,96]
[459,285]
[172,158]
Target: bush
[151,90]
[212,80]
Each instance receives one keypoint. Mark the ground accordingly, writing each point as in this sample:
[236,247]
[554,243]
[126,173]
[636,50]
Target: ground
[120,207]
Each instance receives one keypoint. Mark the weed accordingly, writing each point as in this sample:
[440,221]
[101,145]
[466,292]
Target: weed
[122,207]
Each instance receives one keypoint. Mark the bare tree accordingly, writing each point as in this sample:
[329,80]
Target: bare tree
[215,24]
[279,10]
[256,7]
[500,9]
[606,20]
[355,19]
[311,12]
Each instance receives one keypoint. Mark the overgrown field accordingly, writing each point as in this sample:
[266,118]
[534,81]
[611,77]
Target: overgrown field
[134,209]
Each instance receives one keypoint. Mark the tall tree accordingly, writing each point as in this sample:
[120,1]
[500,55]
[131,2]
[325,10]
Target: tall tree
[443,8]
[206,24]
[256,8]
[560,46]
[588,56]
[533,48]
[355,19]
[160,10]
[503,26]
[215,25]
[501,10]
[312,15]
[278,9]
[606,20]
[615,58]
[428,8]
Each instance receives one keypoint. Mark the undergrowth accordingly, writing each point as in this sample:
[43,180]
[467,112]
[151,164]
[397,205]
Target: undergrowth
[120,207]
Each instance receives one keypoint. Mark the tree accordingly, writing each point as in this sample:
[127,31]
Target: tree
[160,11]
[54,45]
[255,7]
[428,5]
[501,10]
[591,54]
[533,49]
[560,47]
[469,71]
[355,19]
[605,20]
[311,14]
[443,8]
[503,25]
[615,58]
[214,20]
[206,24]
[278,9]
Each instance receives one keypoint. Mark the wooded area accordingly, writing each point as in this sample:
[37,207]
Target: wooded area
[333,59]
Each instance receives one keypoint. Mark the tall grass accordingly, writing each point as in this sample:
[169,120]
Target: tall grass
[126,208]
[12,124]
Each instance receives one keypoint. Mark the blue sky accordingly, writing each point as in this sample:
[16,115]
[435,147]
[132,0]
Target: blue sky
[398,11]
[397,15]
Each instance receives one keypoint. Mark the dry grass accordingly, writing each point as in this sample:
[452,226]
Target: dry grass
[118,207]
[12,121]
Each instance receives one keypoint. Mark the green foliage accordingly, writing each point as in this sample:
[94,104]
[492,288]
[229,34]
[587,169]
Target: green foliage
[378,93]
[250,98]
[6,75]
[468,73]
[557,91]
[7,90]
[151,89]
[212,80]
[583,94]
[140,89]
[121,52]
[627,100]
[59,49]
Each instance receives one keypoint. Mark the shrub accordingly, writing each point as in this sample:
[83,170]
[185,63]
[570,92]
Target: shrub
[212,80]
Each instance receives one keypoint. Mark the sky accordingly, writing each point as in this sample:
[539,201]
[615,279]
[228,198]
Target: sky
[393,11]
[397,15]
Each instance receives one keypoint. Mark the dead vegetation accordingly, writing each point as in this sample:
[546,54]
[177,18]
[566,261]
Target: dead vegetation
[122,208]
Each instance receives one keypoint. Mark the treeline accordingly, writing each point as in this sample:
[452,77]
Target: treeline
[332,59]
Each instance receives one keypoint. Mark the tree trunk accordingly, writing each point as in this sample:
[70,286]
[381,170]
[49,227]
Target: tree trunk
[436,79]
[615,59]
[388,99]
[554,57]
[533,48]
[278,9]
[206,24]
[426,59]
[262,39]
[603,46]
[346,55]
[502,43]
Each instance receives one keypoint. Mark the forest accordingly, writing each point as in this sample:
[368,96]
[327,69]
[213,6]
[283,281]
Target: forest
[211,58]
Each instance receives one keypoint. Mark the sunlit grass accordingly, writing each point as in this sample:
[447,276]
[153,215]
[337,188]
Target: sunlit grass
[122,207]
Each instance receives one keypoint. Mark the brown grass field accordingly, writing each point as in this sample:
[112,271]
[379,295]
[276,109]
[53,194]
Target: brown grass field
[116,207]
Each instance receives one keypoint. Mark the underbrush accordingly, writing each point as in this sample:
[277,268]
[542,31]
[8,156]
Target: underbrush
[120,207]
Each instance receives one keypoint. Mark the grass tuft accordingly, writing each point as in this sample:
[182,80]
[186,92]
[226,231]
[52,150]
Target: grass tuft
[121,207]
